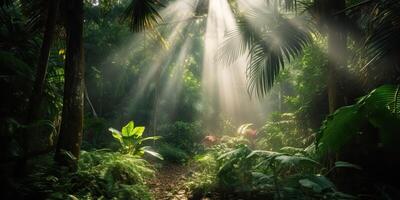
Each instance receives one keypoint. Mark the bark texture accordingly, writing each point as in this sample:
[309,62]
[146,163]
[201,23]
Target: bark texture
[69,142]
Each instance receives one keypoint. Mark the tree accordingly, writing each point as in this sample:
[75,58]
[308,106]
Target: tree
[68,146]
[41,70]
[141,14]
[337,49]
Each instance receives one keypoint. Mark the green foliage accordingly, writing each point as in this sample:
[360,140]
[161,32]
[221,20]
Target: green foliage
[379,108]
[204,178]
[142,14]
[131,139]
[282,131]
[182,135]
[261,174]
[101,175]
[270,43]
[235,169]
[172,154]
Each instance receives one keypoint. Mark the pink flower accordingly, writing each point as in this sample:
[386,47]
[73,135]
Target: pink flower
[210,140]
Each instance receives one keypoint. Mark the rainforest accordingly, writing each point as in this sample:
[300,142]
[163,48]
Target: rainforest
[200,99]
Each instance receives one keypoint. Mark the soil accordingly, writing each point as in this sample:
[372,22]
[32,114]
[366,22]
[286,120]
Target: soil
[168,184]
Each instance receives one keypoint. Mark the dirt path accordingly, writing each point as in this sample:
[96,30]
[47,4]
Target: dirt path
[169,183]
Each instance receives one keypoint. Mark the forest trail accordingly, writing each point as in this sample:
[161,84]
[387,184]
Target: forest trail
[168,184]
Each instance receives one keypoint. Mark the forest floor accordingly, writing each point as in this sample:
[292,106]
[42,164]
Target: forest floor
[168,184]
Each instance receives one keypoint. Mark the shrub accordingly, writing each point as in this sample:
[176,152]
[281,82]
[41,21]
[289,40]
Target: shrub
[282,131]
[203,180]
[183,135]
[101,175]
[173,154]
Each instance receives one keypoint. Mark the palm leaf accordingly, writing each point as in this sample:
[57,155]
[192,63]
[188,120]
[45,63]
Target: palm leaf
[269,44]
[268,56]
[36,12]
[382,39]
[142,14]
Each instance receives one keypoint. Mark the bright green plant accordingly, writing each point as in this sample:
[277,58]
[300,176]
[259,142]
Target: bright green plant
[131,140]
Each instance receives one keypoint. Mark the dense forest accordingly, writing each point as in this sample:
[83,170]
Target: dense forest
[200,99]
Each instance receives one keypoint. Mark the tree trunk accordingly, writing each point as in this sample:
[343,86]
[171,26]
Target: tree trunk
[337,50]
[41,71]
[36,97]
[69,142]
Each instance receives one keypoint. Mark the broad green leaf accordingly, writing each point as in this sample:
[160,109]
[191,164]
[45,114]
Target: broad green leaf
[339,128]
[347,165]
[317,183]
[310,184]
[150,138]
[138,131]
[128,129]
[148,150]
[287,160]
[262,152]
[116,134]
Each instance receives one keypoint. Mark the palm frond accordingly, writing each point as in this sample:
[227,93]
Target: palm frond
[237,42]
[36,12]
[382,39]
[142,14]
[268,56]
[269,44]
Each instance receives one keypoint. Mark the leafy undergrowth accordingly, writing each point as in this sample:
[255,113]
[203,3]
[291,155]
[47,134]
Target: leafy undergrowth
[101,175]
[241,173]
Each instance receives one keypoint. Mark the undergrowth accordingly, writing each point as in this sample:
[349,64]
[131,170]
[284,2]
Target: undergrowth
[101,175]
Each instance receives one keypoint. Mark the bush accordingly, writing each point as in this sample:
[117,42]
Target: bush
[282,131]
[203,180]
[182,135]
[101,175]
[173,154]
[241,173]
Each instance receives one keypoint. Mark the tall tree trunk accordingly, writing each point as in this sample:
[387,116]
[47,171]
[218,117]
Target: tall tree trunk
[69,142]
[337,50]
[36,97]
[41,71]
